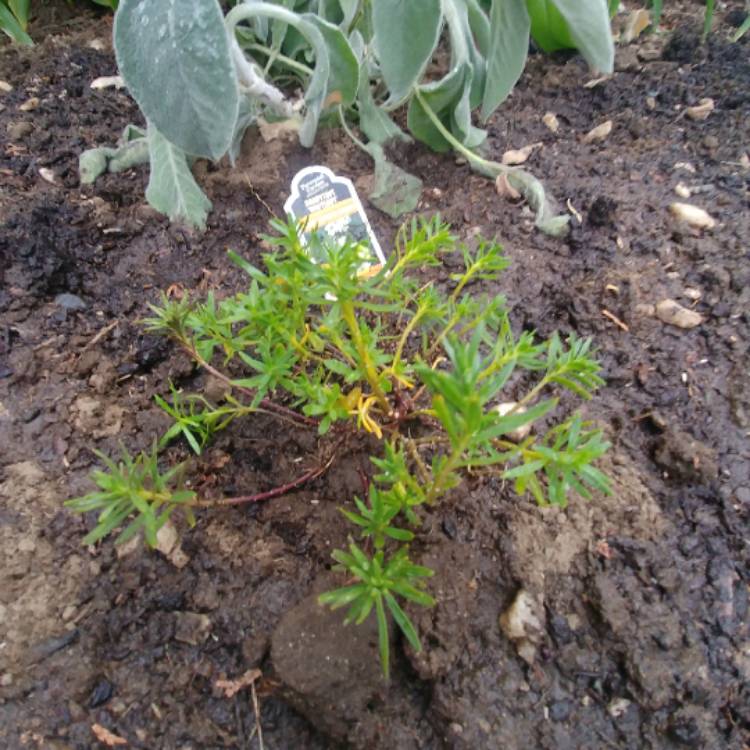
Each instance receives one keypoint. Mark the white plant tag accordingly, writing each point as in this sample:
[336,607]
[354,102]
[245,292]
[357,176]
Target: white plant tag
[322,202]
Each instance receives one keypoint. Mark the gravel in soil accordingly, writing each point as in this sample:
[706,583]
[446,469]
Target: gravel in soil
[636,605]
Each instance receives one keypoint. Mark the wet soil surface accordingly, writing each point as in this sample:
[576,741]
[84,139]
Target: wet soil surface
[638,601]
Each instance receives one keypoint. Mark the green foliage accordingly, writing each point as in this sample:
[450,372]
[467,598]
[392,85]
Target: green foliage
[378,580]
[572,24]
[14,18]
[134,487]
[394,355]
[201,79]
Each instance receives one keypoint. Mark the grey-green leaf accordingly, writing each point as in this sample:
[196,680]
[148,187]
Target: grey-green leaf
[590,28]
[172,189]
[175,58]
[441,96]
[509,45]
[343,78]
[406,34]
[374,121]
[395,191]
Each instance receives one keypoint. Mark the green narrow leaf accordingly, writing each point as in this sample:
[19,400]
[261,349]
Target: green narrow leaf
[403,621]
[20,9]
[523,470]
[383,640]
[743,29]
[172,189]
[509,45]
[176,61]
[406,34]
[10,25]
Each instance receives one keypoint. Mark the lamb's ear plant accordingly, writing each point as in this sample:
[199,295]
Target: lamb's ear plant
[434,371]
[201,79]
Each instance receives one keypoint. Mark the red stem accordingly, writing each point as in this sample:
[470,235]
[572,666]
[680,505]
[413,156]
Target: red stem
[268,495]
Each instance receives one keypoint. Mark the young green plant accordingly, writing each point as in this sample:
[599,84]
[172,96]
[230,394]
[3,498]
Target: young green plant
[437,374]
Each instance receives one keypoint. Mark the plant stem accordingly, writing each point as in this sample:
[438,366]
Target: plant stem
[350,318]
[275,56]
[424,473]
[447,468]
[350,132]
[486,167]
[270,406]
[308,476]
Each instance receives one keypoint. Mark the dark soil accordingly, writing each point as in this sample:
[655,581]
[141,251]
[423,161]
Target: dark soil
[641,597]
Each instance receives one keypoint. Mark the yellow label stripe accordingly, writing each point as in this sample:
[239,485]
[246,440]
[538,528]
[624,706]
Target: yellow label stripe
[326,215]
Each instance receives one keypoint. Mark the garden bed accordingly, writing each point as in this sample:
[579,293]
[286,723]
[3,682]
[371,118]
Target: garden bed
[644,638]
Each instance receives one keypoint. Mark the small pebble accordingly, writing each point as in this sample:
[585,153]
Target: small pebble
[560,710]
[672,313]
[70,302]
[19,130]
[5,87]
[701,111]
[551,122]
[693,215]
[101,693]
[69,612]
[711,141]
[618,707]
[30,104]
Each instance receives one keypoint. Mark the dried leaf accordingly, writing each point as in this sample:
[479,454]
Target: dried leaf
[505,189]
[702,110]
[636,23]
[604,550]
[106,737]
[518,156]
[692,215]
[599,133]
[674,314]
[231,687]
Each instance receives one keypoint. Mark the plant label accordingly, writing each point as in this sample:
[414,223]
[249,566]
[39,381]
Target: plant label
[325,204]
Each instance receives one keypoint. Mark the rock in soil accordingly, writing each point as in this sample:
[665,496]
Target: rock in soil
[330,672]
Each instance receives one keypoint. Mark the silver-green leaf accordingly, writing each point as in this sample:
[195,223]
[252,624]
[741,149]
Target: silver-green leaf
[406,34]
[172,189]
[509,46]
[175,58]
[590,29]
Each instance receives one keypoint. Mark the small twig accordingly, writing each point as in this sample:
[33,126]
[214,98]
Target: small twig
[256,708]
[611,316]
[99,336]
